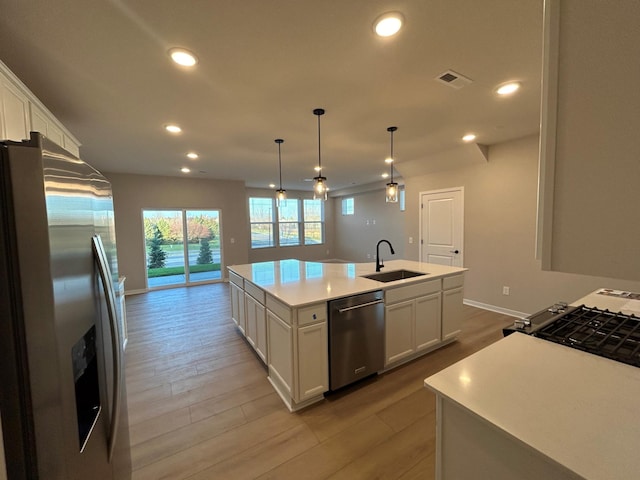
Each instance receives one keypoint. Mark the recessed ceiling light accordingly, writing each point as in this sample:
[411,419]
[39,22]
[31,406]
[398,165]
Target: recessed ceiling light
[469,137]
[317,168]
[507,88]
[183,57]
[185,170]
[385,175]
[388,160]
[388,24]
[192,155]
[172,128]
[272,185]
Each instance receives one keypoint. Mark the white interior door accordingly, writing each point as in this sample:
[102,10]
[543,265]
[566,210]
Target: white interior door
[442,227]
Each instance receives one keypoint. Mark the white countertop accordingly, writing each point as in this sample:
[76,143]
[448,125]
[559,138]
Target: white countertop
[581,410]
[612,300]
[298,283]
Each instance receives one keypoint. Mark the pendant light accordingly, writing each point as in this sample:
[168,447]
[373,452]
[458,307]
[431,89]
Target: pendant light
[320,182]
[280,193]
[392,187]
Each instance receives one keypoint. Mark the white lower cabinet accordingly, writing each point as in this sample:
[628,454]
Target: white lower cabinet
[412,320]
[280,352]
[428,321]
[298,352]
[452,312]
[313,361]
[293,341]
[256,326]
[237,306]
[399,337]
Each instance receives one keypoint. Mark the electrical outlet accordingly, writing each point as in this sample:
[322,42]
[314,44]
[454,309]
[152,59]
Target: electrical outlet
[368,255]
[410,239]
[506,290]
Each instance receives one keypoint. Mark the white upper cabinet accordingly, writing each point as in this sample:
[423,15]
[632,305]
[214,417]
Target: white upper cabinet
[21,112]
[589,151]
[14,113]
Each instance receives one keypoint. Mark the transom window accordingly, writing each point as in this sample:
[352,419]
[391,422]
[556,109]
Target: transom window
[347,206]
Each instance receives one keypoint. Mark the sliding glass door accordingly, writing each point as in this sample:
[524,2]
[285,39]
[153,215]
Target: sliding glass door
[182,246]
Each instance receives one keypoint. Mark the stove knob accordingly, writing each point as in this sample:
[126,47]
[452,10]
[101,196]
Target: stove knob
[553,309]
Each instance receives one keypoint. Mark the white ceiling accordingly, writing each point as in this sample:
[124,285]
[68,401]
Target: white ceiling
[102,68]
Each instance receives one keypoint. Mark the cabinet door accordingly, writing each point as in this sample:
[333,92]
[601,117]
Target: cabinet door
[313,361]
[14,112]
[251,316]
[451,312]
[261,332]
[399,334]
[256,328]
[428,316]
[280,352]
[237,306]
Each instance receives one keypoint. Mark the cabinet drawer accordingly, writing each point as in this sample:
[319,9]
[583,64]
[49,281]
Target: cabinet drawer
[281,310]
[453,281]
[414,290]
[254,291]
[237,279]
[312,314]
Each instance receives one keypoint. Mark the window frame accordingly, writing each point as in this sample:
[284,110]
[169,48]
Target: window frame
[272,240]
[350,204]
[306,222]
[275,224]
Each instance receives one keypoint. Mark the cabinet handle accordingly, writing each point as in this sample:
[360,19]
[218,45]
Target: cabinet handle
[362,305]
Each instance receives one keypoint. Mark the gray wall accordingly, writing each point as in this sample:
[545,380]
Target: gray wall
[373,219]
[500,229]
[597,152]
[133,193]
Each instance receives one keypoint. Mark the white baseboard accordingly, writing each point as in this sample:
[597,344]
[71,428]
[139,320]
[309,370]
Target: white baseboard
[135,292]
[493,308]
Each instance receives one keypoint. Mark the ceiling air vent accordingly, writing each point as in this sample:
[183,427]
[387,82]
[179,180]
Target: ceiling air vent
[453,79]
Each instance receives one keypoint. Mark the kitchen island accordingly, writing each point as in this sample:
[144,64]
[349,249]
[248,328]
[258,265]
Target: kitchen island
[281,309]
[528,408]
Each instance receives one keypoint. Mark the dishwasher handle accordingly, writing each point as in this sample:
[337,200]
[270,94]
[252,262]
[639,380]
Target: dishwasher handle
[362,305]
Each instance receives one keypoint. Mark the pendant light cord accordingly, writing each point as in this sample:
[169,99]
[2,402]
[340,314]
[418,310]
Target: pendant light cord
[280,164]
[391,130]
[318,112]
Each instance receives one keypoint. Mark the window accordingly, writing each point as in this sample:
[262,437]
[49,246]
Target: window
[347,206]
[182,246]
[289,222]
[295,217]
[313,221]
[402,199]
[262,222]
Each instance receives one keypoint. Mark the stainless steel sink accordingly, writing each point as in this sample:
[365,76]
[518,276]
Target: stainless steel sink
[393,275]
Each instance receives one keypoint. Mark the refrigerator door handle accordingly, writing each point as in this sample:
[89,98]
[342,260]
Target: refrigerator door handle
[105,275]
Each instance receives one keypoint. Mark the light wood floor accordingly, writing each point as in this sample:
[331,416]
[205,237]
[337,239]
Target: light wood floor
[200,405]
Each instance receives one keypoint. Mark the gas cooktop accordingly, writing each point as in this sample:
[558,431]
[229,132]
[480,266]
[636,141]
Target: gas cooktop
[608,334]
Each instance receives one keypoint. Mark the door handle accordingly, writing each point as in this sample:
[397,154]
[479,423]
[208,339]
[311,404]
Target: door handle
[109,293]
[454,251]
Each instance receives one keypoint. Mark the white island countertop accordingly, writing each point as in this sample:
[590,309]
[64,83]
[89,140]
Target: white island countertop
[298,283]
[578,409]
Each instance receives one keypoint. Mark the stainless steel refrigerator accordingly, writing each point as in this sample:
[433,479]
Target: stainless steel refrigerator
[62,393]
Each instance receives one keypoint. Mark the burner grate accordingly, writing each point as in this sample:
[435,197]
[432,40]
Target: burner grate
[611,335]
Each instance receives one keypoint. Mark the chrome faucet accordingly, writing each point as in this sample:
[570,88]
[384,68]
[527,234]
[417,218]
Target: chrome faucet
[379,263]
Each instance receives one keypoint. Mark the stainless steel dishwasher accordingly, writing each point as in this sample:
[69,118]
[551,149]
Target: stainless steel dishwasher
[356,338]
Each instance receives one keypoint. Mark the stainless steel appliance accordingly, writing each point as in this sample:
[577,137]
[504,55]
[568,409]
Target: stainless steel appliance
[613,335]
[356,338]
[63,400]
